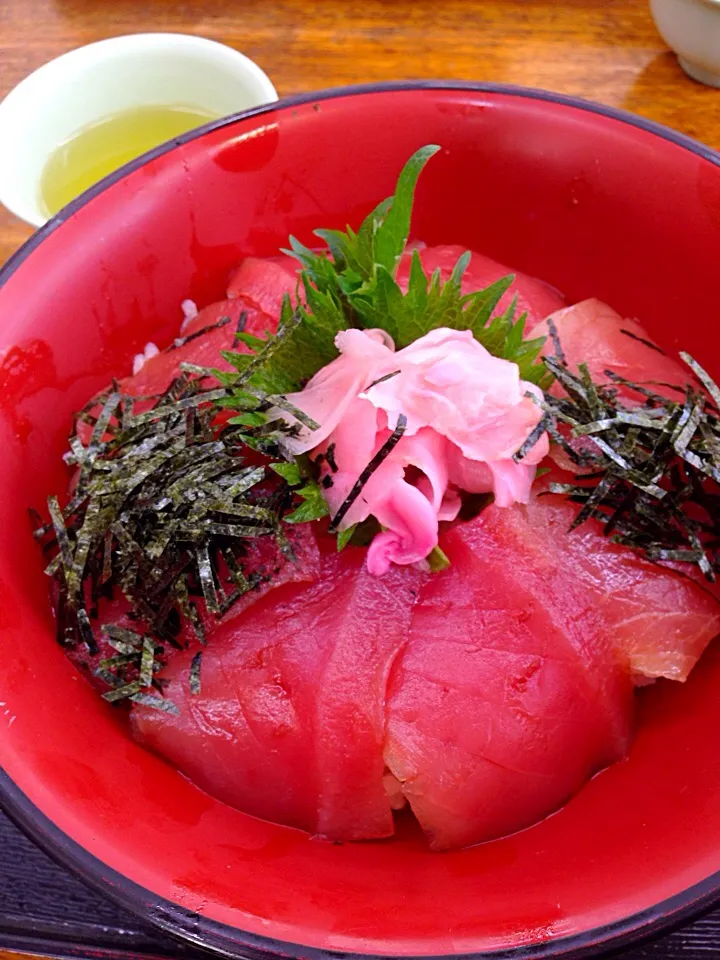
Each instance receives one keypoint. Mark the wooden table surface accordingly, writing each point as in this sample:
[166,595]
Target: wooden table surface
[607,50]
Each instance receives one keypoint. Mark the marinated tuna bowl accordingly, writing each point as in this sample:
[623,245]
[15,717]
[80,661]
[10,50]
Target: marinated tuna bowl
[392,531]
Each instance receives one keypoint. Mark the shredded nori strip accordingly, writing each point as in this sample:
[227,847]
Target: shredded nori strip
[195,673]
[207,581]
[276,400]
[181,341]
[86,631]
[165,504]
[171,409]
[157,703]
[532,439]
[559,353]
[330,457]
[271,346]
[653,462]
[147,661]
[124,692]
[384,451]
[388,376]
[241,582]
[647,343]
[704,378]
[66,551]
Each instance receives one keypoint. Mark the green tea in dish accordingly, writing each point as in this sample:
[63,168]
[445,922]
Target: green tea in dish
[100,148]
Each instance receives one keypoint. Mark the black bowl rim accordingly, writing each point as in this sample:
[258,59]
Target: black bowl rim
[220,938]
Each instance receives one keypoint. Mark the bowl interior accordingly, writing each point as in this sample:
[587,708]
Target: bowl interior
[595,206]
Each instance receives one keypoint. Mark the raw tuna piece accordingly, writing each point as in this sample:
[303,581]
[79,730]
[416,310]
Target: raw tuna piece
[289,724]
[157,373]
[263,560]
[536,298]
[254,294]
[264,283]
[592,332]
[263,557]
[204,350]
[662,621]
[659,620]
[508,695]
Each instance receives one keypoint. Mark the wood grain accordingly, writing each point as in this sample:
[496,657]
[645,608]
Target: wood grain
[608,51]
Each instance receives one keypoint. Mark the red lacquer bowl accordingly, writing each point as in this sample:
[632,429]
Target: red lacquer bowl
[596,202]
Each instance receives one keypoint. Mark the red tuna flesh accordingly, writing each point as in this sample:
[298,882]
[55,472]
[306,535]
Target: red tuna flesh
[509,682]
[290,724]
[508,695]
[592,332]
[264,283]
[491,691]
[660,620]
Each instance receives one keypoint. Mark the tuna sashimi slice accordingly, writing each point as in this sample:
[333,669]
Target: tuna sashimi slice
[535,298]
[289,724]
[592,332]
[508,695]
[264,283]
[263,563]
[263,560]
[660,620]
[242,738]
[204,349]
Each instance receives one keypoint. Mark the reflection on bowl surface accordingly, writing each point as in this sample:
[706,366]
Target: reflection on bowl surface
[595,203]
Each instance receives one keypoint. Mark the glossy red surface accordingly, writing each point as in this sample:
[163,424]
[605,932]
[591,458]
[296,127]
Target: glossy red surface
[593,205]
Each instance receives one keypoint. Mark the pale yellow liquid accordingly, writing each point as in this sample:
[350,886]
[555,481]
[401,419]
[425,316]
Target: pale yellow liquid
[102,147]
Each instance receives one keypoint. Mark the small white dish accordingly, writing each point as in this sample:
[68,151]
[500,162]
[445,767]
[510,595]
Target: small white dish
[92,82]
[692,29]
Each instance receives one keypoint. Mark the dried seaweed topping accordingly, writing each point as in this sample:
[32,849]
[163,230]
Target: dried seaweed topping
[165,504]
[654,464]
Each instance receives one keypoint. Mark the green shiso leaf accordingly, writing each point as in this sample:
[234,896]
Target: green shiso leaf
[304,343]
[352,283]
[290,472]
[252,418]
[313,507]
[391,235]
[438,560]
[344,536]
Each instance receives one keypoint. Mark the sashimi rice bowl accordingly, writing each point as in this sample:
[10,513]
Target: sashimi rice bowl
[367,596]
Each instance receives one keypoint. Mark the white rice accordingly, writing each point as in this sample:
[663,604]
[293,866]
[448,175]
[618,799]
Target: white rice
[139,360]
[190,311]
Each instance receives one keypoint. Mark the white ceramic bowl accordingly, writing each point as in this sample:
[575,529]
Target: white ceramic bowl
[104,78]
[692,29]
